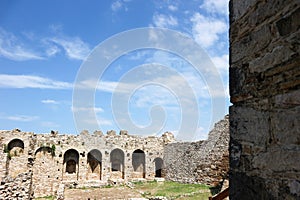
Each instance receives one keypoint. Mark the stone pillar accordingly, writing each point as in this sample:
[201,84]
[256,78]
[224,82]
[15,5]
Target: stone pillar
[264,91]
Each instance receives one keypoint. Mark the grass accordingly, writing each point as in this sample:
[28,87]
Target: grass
[46,198]
[173,190]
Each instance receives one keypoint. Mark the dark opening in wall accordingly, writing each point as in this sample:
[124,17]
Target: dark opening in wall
[71,159]
[94,159]
[138,161]
[158,167]
[117,161]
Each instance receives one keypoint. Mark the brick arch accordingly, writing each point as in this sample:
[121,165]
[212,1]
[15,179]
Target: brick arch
[117,158]
[138,163]
[94,161]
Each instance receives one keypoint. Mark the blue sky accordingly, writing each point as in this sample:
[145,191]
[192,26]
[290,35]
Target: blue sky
[43,46]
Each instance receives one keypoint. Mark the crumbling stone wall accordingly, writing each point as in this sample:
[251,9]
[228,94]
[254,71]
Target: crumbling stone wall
[16,188]
[77,160]
[264,90]
[50,162]
[204,162]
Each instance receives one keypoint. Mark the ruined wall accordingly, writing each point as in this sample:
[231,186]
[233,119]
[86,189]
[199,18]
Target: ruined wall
[200,162]
[53,161]
[77,160]
[264,90]
[18,187]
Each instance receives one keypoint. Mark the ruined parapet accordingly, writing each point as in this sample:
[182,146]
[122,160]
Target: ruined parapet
[168,137]
[214,166]
[123,132]
[111,133]
[202,161]
[98,133]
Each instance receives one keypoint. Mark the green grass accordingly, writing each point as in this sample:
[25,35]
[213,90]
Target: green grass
[46,198]
[173,190]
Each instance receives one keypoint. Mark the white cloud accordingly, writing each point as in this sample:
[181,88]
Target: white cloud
[164,21]
[74,47]
[99,121]
[115,6]
[104,122]
[221,63]
[216,6]
[28,81]
[87,109]
[22,118]
[172,7]
[49,101]
[13,49]
[206,30]
[52,50]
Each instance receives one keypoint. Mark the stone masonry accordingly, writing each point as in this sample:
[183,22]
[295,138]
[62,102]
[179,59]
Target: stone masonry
[265,93]
[76,160]
[204,162]
[40,165]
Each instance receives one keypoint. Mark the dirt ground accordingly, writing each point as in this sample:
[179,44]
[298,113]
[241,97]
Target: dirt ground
[101,193]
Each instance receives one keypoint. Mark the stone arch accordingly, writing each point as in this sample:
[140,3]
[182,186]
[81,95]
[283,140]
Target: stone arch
[44,150]
[94,160]
[158,166]
[138,163]
[17,161]
[15,147]
[43,172]
[71,163]
[117,163]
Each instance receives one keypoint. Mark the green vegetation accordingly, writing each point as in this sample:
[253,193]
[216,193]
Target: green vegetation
[5,149]
[53,148]
[46,198]
[9,156]
[173,190]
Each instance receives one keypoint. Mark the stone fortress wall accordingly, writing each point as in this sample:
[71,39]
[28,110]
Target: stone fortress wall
[86,159]
[265,93]
[202,161]
[37,165]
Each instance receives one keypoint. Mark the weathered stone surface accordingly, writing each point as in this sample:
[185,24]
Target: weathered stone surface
[45,164]
[204,162]
[16,188]
[264,90]
[77,160]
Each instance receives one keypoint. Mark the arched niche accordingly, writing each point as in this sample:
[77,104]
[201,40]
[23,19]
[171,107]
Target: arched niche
[117,163]
[15,147]
[158,162]
[71,161]
[94,160]
[138,163]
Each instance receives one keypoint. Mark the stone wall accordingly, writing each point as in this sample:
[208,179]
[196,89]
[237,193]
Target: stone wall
[264,90]
[204,162]
[77,160]
[16,188]
[52,161]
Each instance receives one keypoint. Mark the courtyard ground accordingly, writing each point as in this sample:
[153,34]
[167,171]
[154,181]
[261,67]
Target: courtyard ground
[172,190]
